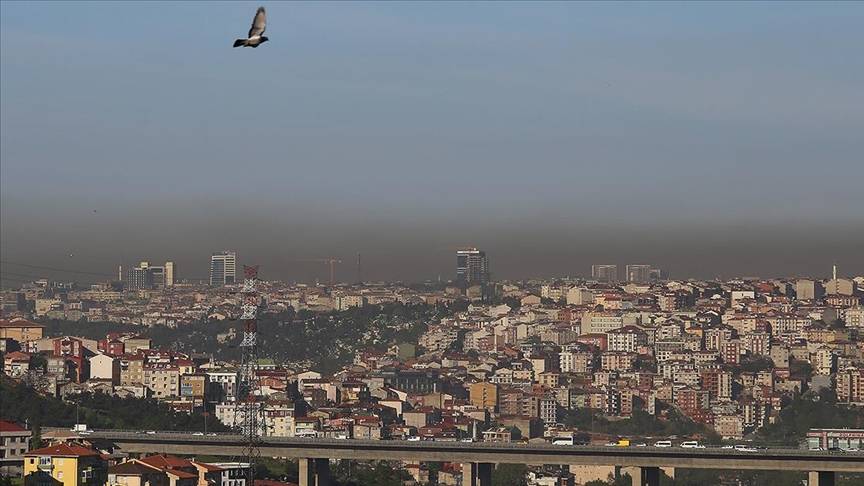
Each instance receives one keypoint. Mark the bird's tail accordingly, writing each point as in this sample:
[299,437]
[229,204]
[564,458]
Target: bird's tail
[239,42]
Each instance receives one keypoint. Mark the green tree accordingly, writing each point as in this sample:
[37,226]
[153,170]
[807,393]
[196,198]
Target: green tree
[512,302]
[36,435]
[22,403]
[38,362]
[324,341]
[800,369]
[377,473]
[509,475]
[809,411]
[756,364]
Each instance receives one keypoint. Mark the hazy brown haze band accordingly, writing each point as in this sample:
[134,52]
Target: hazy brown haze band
[412,246]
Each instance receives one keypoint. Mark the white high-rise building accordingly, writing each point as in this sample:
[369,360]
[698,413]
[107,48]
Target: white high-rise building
[638,273]
[604,273]
[169,274]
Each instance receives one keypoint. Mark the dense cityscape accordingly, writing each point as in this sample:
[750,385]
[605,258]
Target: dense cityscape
[401,243]
[639,359]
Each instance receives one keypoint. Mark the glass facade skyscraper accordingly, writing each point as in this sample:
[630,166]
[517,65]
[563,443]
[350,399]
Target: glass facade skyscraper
[472,266]
[223,268]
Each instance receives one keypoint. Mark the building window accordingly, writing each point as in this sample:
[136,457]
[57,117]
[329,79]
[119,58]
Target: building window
[44,460]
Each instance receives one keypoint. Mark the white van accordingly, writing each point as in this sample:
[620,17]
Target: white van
[691,444]
[663,443]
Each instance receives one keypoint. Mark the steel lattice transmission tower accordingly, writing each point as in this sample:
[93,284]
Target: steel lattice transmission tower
[249,417]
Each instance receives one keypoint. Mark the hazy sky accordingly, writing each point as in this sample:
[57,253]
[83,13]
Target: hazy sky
[707,138]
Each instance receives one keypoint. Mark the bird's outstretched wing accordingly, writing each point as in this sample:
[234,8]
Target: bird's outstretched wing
[259,23]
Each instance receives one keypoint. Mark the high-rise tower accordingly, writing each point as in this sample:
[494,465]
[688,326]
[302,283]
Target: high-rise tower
[472,266]
[169,274]
[604,273]
[638,273]
[223,268]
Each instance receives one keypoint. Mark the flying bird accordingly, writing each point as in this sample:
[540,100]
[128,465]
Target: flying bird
[255,37]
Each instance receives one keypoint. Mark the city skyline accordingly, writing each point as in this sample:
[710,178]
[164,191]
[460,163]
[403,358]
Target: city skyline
[222,265]
[554,137]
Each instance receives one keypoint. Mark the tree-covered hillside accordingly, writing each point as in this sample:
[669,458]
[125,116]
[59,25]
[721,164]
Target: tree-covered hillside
[324,342]
[20,403]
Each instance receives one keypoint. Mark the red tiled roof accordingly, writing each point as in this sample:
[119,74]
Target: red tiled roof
[18,322]
[132,467]
[65,450]
[7,426]
[164,462]
[181,474]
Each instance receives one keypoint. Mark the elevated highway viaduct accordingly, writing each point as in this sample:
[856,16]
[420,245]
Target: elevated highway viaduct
[478,457]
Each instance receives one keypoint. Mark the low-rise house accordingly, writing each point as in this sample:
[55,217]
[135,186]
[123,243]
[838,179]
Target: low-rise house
[66,464]
[14,442]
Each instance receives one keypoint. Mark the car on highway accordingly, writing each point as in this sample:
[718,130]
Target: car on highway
[619,443]
[691,444]
[663,443]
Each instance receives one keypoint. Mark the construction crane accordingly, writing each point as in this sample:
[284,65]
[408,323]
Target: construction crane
[329,261]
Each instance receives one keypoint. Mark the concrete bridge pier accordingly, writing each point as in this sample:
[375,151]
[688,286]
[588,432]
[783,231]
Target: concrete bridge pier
[820,478]
[477,474]
[643,476]
[314,472]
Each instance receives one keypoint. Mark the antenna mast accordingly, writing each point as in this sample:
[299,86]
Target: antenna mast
[249,416]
